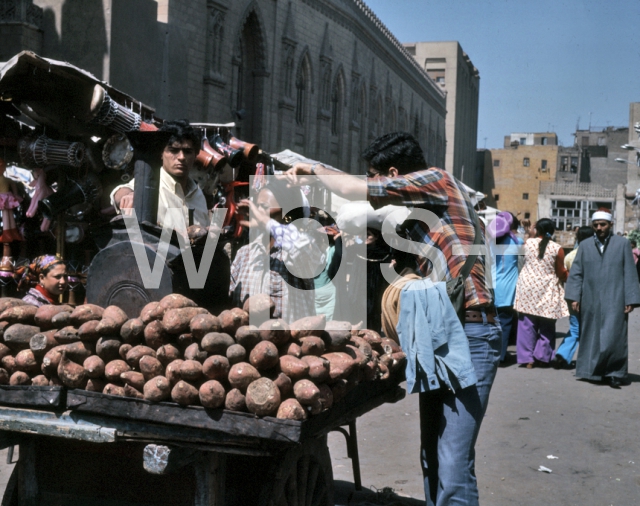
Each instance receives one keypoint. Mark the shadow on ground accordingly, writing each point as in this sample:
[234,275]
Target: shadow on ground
[346,495]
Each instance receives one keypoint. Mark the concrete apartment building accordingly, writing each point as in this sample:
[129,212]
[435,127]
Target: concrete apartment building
[451,68]
[321,77]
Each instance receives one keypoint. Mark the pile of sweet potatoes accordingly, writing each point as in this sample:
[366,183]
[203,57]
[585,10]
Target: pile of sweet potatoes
[176,351]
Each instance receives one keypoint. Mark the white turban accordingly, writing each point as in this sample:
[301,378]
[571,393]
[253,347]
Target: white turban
[601,215]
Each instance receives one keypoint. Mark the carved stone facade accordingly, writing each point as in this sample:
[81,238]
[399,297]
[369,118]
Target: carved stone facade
[20,27]
[321,77]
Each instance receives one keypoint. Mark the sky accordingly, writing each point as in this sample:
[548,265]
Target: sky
[545,65]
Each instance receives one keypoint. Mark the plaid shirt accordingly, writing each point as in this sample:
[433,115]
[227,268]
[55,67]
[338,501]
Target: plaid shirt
[293,249]
[437,191]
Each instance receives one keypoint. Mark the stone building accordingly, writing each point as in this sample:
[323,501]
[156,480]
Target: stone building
[321,77]
[448,65]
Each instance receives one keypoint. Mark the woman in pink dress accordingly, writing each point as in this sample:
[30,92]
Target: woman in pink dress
[540,296]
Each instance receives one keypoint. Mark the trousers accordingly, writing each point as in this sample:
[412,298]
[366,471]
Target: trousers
[570,343]
[505,315]
[536,338]
[450,423]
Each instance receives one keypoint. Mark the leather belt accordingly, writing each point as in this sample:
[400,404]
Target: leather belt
[476,316]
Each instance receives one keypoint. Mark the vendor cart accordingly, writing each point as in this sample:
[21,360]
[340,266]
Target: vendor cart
[78,447]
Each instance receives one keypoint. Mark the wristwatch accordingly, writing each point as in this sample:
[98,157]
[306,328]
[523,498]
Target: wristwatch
[313,169]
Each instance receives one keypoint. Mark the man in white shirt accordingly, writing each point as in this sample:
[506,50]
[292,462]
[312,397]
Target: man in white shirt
[177,189]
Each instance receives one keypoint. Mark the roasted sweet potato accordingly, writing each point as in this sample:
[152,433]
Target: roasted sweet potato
[114,369]
[241,375]
[340,365]
[185,340]
[172,372]
[175,301]
[236,353]
[201,324]
[61,320]
[291,409]
[123,350]
[41,343]
[284,384]
[88,331]
[319,368]
[276,331]
[18,336]
[230,321]
[157,389]
[235,401]
[147,315]
[19,378]
[212,394]
[193,352]
[191,370]
[67,335]
[133,378]
[4,350]
[308,326]
[130,391]
[94,367]
[248,336]
[263,397]
[150,367]
[292,349]
[176,321]
[336,335]
[216,343]
[293,367]
[167,353]
[136,353]
[93,384]
[264,355]
[19,314]
[306,392]
[113,318]
[40,381]
[185,394]
[79,351]
[9,302]
[26,362]
[45,314]
[326,396]
[132,332]
[4,377]
[259,306]
[216,368]
[371,336]
[50,361]
[389,346]
[312,345]
[111,389]
[155,335]
[84,313]
[108,348]
[71,374]
[9,363]
[357,355]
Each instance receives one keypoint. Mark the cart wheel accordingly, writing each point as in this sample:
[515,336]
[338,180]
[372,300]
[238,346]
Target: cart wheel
[10,497]
[304,478]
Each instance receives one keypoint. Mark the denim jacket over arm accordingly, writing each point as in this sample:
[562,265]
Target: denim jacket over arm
[433,338]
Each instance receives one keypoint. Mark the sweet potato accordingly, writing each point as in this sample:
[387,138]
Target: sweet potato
[292,349]
[326,396]
[263,397]
[319,368]
[399,360]
[293,367]
[248,336]
[185,394]
[67,335]
[108,348]
[172,372]
[306,392]
[130,391]
[3,326]
[123,350]
[201,324]
[371,336]
[191,370]
[212,394]
[113,318]
[315,408]
[41,343]
[4,350]
[284,384]
[216,343]
[236,353]
[259,306]
[312,345]
[336,335]
[94,367]
[276,331]
[50,361]
[370,370]
[150,367]
[133,378]
[389,346]
[136,353]
[193,352]
[235,401]
[176,321]
[241,375]
[357,355]
[157,389]
[4,377]
[155,335]
[264,355]
[147,315]
[242,314]
[114,369]
[216,368]
[84,313]
[111,389]
[79,351]
[61,320]
[230,321]
[88,331]
[9,363]
[71,374]
[40,381]
[94,385]
[19,378]
[291,409]
[18,336]
[175,301]
[19,314]
[26,362]
[45,314]
[132,332]
[185,340]
[167,353]
[340,365]
[308,326]
[9,302]
[383,373]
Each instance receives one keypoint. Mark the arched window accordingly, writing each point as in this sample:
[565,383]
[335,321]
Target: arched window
[303,80]
[337,98]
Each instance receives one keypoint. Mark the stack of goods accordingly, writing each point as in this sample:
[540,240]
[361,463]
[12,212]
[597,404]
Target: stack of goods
[176,351]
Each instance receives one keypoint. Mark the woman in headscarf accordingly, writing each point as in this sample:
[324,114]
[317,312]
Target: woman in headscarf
[540,296]
[49,275]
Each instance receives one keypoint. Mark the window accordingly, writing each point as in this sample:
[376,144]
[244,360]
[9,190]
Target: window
[525,196]
[564,163]
[585,140]
[440,80]
[496,163]
[527,216]
[523,141]
[525,162]
[496,198]
[543,141]
[544,165]
[574,164]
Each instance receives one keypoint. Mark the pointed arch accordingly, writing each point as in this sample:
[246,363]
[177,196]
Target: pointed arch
[338,100]
[304,87]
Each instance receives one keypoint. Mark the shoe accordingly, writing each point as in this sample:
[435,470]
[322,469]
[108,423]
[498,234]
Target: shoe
[614,382]
[559,363]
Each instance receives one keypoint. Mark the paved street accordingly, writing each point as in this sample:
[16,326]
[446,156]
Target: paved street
[591,429]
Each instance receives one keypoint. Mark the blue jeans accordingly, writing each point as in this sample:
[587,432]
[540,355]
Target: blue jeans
[570,343]
[505,315]
[450,423]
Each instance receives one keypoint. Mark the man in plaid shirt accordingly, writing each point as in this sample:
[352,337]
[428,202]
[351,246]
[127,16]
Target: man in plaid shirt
[398,174]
